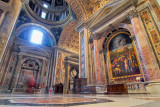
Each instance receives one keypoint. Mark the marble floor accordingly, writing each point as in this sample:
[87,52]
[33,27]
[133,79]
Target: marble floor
[63,100]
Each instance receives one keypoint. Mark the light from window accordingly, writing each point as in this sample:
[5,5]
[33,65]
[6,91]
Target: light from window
[45,5]
[36,37]
[43,15]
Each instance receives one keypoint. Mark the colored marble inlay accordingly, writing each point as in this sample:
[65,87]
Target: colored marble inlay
[53,101]
[97,63]
[151,29]
[83,74]
[152,99]
[58,71]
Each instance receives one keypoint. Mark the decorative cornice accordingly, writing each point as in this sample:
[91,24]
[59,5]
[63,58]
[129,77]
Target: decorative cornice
[80,26]
[115,16]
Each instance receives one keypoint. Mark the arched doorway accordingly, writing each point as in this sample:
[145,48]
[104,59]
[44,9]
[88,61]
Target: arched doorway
[123,65]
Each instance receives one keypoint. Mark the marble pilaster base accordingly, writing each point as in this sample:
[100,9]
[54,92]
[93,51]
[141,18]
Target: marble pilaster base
[101,89]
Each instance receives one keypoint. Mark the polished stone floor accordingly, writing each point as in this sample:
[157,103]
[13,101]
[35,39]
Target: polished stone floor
[63,100]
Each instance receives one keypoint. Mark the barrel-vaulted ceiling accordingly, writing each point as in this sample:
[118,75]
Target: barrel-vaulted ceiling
[86,8]
[69,38]
[83,9]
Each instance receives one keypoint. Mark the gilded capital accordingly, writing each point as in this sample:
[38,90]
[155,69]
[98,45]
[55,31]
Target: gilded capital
[133,37]
[132,13]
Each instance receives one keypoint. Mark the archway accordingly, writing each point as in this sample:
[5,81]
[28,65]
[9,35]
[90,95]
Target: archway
[121,57]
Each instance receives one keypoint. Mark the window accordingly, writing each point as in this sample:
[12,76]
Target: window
[45,5]
[43,15]
[36,37]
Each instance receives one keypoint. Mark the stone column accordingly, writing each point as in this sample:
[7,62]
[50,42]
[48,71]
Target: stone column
[79,55]
[100,87]
[86,46]
[8,24]
[65,90]
[97,63]
[54,66]
[84,58]
[151,69]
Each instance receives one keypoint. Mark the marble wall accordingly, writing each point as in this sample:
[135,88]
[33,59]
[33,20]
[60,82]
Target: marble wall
[8,23]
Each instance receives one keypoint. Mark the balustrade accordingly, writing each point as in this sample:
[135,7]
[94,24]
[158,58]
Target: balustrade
[136,87]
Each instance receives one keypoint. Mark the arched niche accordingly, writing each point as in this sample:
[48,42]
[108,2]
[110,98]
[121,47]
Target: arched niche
[121,57]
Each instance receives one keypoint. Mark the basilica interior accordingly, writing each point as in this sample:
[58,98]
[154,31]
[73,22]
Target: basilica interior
[74,48]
